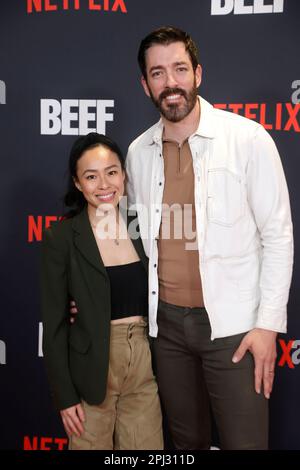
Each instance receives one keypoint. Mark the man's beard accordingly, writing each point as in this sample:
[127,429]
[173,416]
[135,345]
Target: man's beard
[172,111]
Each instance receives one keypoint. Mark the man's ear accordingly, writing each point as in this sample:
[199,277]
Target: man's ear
[145,85]
[198,75]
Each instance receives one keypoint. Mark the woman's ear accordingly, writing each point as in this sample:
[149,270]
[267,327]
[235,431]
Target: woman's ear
[77,184]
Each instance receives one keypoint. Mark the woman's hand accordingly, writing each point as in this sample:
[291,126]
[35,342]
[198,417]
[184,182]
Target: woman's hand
[72,418]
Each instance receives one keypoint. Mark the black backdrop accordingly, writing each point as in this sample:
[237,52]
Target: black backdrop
[54,51]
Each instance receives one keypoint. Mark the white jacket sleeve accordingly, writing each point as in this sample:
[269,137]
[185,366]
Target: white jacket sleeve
[269,200]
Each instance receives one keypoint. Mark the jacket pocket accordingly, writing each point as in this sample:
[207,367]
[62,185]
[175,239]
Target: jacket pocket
[79,340]
[225,204]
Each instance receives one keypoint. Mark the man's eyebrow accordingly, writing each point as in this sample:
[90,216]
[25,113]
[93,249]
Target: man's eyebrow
[155,67]
[159,67]
[181,62]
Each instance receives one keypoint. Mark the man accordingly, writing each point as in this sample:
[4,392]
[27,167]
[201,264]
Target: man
[214,311]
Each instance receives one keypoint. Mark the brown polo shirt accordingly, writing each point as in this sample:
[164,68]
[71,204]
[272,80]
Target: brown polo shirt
[178,267]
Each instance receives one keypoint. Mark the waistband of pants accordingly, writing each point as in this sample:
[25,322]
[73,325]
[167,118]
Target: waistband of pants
[129,330]
[180,308]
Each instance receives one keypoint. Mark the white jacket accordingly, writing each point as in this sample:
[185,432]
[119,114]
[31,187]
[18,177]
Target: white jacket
[244,228]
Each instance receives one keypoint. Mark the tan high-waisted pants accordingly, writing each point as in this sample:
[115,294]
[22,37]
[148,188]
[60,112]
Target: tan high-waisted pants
[130,416]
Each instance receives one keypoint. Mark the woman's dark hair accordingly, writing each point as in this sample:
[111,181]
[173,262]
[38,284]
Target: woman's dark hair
[167,35]
[74,198]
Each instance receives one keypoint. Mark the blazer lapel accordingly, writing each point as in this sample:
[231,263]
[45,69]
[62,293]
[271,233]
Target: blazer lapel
[85,241]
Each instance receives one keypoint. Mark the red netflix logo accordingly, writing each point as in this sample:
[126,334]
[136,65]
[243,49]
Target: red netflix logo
[289,358]
[95,5]
[45,443]
[278,117]
[36,225]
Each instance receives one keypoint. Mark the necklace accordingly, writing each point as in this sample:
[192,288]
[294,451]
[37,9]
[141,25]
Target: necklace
[116,240]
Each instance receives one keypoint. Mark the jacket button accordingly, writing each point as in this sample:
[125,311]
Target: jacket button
[155,265]
[153,292]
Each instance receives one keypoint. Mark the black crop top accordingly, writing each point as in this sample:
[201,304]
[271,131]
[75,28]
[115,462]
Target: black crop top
[129,290]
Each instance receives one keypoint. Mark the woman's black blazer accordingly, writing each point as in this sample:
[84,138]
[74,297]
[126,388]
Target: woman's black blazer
[76,355]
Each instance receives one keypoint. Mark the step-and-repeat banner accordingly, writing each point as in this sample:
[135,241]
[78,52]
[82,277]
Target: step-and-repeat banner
[68,67]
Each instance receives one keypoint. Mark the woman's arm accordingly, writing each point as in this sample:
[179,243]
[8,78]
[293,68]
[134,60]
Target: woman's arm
[56,325]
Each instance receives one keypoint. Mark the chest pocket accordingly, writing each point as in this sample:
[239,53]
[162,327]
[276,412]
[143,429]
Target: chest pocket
[225,201]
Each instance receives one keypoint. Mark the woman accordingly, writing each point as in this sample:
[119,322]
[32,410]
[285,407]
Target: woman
[99,367]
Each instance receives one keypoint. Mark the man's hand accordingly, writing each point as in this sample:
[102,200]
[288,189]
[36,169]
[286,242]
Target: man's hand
[262,344]
[73,311]
[72,418]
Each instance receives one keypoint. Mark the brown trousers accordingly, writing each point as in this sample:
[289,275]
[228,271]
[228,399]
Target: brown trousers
[130,416]
[194,373]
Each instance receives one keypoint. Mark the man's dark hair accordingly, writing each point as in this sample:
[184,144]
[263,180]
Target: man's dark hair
[167,35]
